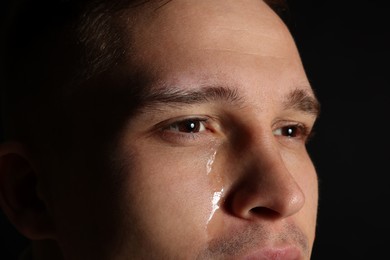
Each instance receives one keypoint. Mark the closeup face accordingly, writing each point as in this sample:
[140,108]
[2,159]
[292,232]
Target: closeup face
[213,164]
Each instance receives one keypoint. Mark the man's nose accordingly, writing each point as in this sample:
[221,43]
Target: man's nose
[265,187]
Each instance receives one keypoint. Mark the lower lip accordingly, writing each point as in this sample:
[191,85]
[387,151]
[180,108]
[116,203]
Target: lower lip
[287,253]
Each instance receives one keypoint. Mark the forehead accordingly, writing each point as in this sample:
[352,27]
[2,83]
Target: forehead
[224,41]
[201,23]
[180,26]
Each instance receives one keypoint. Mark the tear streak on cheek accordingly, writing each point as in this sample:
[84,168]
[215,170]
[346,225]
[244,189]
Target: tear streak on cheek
[215,204]
[216,192]
[210,162]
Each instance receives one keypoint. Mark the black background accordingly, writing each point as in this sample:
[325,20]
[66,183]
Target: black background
[345,49]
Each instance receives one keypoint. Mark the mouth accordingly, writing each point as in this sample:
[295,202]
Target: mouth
[275,253]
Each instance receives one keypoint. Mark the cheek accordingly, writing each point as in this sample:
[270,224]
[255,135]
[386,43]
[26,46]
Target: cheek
[170,195]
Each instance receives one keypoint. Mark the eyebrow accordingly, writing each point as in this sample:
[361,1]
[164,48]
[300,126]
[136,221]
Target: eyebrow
[304,101]
[298,99]
[177,96]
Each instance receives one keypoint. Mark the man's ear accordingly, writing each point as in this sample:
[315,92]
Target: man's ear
[20,198]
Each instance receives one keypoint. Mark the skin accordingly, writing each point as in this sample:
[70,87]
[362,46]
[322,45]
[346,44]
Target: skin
[235,186]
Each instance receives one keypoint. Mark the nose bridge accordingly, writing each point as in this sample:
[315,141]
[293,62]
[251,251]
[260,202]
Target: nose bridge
[265,186]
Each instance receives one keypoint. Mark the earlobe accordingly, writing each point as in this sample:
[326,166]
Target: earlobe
[19,196]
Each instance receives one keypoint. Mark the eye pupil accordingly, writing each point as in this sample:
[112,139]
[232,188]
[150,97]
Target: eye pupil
[290,131]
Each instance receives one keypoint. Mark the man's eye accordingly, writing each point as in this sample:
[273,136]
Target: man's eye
[188,126]
[187,131]
[292,131]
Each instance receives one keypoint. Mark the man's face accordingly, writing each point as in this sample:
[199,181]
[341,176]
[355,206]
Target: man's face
[214,163]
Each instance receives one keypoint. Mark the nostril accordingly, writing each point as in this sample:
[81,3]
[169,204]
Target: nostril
[264,212]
